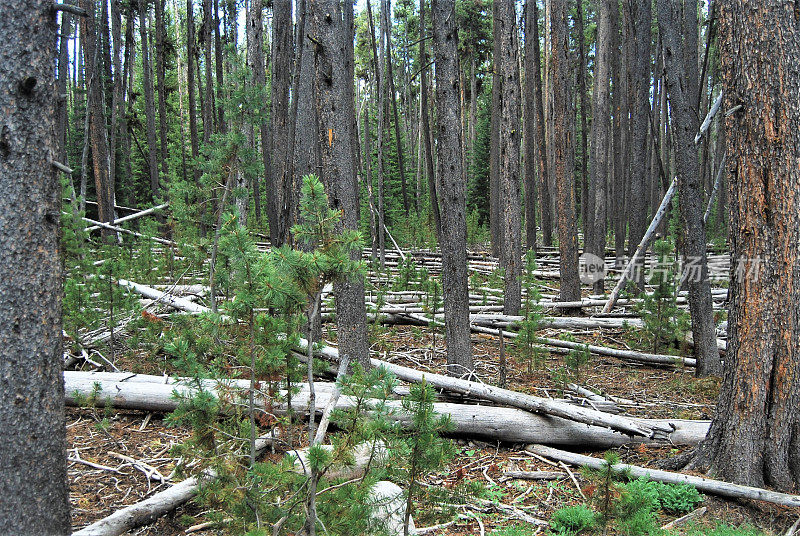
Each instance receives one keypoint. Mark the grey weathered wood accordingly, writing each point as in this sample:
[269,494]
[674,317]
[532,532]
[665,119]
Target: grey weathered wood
[706,485]
[642,247]
[510,425]
[130,217]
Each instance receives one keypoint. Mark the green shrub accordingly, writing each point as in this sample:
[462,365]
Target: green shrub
[571,520]
[515,530]
[672,498]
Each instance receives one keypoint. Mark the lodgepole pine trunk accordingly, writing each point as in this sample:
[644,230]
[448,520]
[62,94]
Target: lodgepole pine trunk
[336,112]
[541,139]
[280,179]
[452,189]
[563,150]
[754,435]
[681,76]
[508,213]
[34,489]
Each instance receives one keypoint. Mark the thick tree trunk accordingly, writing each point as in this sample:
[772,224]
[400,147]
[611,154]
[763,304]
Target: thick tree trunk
[753,438]
[280,181]
[563,150]
[191,57]
[117,99]
[335,111]
[507,69]
[255,61]
[207,100]
[615,199]
[34,483]
[452,189]
[681,78]
[601,166]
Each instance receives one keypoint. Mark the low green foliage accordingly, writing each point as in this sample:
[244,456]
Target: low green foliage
[515,530]
[572,520]
[525,343]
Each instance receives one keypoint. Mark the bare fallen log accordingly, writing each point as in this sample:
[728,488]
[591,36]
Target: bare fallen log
[706,485]
[509,425]
[534,475]
[129,217]
[628,355]
[640,249]
[521,400]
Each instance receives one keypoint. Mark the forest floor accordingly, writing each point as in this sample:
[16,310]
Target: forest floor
[98,437]
[106,441]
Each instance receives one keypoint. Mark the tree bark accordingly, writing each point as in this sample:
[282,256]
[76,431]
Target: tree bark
[34,484]
[149,104]
[641,18]
[452,189]
[541,139]
[615,198]
[601,167]
[335,111]
[426,128]
[563,149]
[280,180]
[507,68]
[98,134]
[681,79]
[754,434]
[583,99]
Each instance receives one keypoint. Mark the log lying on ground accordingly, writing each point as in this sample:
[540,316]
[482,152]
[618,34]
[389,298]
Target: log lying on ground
[509,425]
[706,485]
[521,400]
[628,355]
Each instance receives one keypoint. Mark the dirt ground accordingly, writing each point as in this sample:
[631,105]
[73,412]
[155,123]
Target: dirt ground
[125,454]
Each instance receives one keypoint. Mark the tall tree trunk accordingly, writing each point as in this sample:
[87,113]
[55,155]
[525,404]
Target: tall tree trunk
[207,100]
[426,128]
[386,16]
[218,63]
[563,150]
[530,126]
[380,87]
[118,96]
[507,68]
[452,188]
[641,39]
[583,99]
[753,437]
[681,69]
[149,103]
[160,79]
[191,57]
[495,233]
[280,180]
[333,75]
[62,84]
[255,60]
[601,167]
[98,134]
[127,90]
[616,188]
[541,139]
[34,484]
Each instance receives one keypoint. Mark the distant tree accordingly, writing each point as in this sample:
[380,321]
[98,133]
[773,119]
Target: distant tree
[32,453]
[98,134]
[280,180]
[452,186]
[753,436]
[149,101]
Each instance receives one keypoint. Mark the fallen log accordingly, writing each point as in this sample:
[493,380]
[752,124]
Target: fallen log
[640,249]
[521,400]
[534,475]
[628,355]
[706,485]
[129,217]
[509,425]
